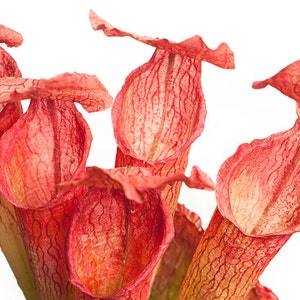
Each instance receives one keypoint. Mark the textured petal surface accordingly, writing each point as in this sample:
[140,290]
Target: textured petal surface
[48,145]
[161,110]
[10,37]
[177,258]
[45,234]
[258,199]
[260,292]
[170,167]
[286,81]
[82,88]
[11,242]
[136,181]
[115,243]
[8,66]
[194,47]
[258,188]
[227,263]
[9,113]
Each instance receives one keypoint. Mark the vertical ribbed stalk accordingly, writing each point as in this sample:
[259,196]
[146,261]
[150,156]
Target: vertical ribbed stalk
[45,233]
[227,263]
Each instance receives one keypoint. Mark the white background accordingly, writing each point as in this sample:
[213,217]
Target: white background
[264,36]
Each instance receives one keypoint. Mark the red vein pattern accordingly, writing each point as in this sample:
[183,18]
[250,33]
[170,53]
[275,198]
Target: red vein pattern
[161,109]
[258,196]
[82,88]
[9,113]
[47,145]
[222,56]
[11,242]
[122,203]
[260,292]
[258,187]
[227,263]
[91,233]
[10,37]
[173,166]
[114,243]
[286,81]
[136,181]
[44,233]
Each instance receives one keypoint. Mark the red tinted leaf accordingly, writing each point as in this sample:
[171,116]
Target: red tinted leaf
[136,181]
[160,110]
[47,145]
[8,66]
[115,243]
[154,117]
[177,258]
[44,232]
[135,184]
[286,81]
[258,187]
[172,166]
[228,263]
[260,292]
[82,88]
[10,37]
[9,113]
[193,47]
[11,242]
[258,195]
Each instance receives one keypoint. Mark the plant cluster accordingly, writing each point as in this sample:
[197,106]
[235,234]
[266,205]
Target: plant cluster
[72,231]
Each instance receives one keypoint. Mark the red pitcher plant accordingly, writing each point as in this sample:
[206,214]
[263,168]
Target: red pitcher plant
[72,231]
